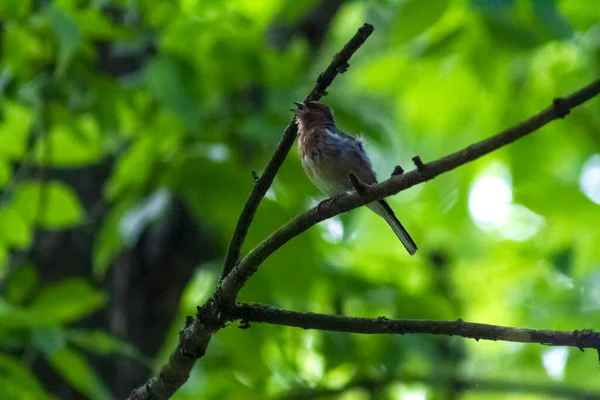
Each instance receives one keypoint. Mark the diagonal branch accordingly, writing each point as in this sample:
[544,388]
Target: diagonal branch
[249,265]
[584,339]
[262,184]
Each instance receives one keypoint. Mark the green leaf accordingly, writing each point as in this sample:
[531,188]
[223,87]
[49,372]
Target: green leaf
[14,317]
[105,344]
[74,142]
[109,241]
[168,79]
[47,339]
[5,172]
[133,169]
[21,284]
[3,259]
[509,33]
[552,19]
[68,35]
[563,260]
[73,367]
[60,205]
[98,26]
[16,231]
[442,44]
[70,364]
[17,382]
[66,301]
[14,129]
[493,6]
[417,16]
[10,9]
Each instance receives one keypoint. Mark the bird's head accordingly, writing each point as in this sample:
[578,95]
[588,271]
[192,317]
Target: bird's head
[313,113]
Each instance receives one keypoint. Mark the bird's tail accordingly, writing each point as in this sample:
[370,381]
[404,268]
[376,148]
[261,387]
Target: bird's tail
[383,209]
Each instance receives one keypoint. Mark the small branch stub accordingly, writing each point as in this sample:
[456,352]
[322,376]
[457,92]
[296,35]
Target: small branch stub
[418,163]
[561,106]
[343,67]
[398,170]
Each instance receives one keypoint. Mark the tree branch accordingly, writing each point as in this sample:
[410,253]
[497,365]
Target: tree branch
[584,339]
[346,202]
[548,390]
[262,184]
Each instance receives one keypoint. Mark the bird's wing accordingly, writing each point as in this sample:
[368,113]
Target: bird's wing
[356,157]
[347,136]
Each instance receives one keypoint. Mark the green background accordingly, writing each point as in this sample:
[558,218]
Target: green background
[117,115]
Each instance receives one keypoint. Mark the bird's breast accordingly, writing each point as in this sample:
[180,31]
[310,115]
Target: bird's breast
[320,156]
[318,171]
[310,143]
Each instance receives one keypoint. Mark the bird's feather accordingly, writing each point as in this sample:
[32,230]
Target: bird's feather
[383,209]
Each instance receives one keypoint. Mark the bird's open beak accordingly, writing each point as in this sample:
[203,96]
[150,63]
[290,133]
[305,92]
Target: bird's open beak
[300,106]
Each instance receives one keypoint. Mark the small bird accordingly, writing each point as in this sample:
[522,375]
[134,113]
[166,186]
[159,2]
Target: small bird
[330,155]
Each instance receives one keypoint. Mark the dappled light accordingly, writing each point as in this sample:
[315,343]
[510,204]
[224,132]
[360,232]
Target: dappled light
[589,181]
[491,206]
[554,361]
[490,200]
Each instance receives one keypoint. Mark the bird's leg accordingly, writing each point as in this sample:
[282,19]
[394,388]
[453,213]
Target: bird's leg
[359,186]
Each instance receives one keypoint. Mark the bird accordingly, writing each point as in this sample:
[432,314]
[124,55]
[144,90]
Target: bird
[329,156]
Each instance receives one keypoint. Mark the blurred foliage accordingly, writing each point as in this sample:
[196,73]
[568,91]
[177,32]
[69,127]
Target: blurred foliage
[187,97]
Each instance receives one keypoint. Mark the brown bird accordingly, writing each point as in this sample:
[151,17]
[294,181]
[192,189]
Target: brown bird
[329,156]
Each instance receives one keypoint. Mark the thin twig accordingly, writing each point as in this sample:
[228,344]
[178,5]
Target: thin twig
[584,339]
[340,204]
[338,65]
